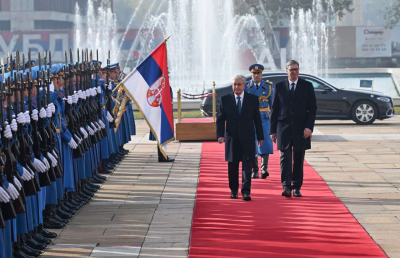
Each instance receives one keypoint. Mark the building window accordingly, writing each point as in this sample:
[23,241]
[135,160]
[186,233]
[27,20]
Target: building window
[53,25]
[63,6]
[5,25]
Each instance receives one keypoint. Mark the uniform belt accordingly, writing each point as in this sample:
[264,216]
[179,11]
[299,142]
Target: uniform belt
[264,109]
[57,130]
[103,107]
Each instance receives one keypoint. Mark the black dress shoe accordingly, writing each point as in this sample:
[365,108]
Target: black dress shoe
[45,233]
[40,239]
[166,160]
[29,251]
[254,174]
[33,244]
[20,254]
[68,210]
[246,197]
[287,193]
[59,219]
[91,185]
[64,215]
[296,193]
[106,171]
[99,177]
[264,175]
[234,195]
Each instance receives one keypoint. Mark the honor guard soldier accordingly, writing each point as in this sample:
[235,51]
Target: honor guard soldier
[264,91]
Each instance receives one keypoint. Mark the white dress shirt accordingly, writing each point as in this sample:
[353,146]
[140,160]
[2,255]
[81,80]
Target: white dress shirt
[241,98]
[295,84]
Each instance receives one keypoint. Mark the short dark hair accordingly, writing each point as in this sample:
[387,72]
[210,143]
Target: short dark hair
[292,62]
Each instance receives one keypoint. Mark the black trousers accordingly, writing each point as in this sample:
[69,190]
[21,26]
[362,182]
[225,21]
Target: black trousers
[233,174]
[292,168]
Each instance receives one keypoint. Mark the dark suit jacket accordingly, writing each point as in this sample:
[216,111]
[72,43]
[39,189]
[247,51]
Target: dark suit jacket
[240,129]
[291,115]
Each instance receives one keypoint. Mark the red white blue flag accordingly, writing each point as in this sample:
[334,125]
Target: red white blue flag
[148,86]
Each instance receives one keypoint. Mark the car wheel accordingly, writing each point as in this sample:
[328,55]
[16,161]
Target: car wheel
[364,112]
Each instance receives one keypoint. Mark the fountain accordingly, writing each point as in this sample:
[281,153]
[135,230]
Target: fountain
[98,32]
[206,41]
[309,35]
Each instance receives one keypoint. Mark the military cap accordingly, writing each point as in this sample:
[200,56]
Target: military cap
[256,68]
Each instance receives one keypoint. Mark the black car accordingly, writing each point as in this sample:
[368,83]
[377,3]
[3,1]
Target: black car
[361,106]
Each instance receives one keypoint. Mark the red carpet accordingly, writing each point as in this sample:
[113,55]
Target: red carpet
[316,225]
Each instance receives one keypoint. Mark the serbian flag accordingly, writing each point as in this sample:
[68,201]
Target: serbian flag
[148,86]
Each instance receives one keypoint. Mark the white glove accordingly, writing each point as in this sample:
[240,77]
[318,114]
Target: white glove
[72,144]
[21,118]
[7,132]
[48,112]
[83,131]
[12,191]
[30,171]
[109,86]
[80,94]
[93,90]
[38,165]
[17,183]
[91,132]
[102,125]
[84,94]
[4,197]
[109,117]
[26,175]
[75,98]
[27,117]
[69,100]
[46,163]
[54,154]
[97,126]
[93,127]
[34,115]
[14,125]
[52,159]
[79,139]
[53,108]
[98,89]
[42,113]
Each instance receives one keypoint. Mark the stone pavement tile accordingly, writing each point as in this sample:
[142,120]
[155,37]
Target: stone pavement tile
[66,250]
[116,251]
[164,252]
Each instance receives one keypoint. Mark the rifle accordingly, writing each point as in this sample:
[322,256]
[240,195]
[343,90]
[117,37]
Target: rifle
[7,209]
[11,163]
[24,152]
[108,91]
[51,130]
[99,97]
[35,141]
[45,178]
[68,74]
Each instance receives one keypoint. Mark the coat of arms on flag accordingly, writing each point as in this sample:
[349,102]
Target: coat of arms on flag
[148,86]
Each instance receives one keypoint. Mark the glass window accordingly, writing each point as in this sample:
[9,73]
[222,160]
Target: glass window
[5,25]
[317,85]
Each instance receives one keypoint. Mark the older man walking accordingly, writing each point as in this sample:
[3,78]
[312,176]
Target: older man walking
[240,111]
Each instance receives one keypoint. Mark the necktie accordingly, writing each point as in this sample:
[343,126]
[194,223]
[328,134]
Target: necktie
[292,89]
[239,105]
[257,86]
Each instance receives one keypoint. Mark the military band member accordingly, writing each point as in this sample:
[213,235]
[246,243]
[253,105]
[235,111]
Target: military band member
[264,91]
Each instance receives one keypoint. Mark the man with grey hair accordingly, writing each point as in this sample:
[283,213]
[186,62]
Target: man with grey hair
[240,113]
[293,114]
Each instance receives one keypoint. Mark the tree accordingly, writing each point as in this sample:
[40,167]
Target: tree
[392,15]
[282,9]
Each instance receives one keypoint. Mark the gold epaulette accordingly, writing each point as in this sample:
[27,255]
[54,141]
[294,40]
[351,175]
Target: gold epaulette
[57,130]
[103,107]
[270,83]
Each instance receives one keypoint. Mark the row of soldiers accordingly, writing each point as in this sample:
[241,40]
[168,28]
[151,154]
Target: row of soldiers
[58,136]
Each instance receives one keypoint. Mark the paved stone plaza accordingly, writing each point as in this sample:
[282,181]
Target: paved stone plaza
[145,208]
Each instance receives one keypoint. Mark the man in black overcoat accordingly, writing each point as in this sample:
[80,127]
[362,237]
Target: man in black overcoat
[240,111]
[293,113]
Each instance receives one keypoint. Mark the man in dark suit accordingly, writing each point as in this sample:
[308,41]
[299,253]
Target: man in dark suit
[293,113]
[241,113]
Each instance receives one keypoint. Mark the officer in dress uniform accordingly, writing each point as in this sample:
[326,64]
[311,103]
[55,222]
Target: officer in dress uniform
[264,91]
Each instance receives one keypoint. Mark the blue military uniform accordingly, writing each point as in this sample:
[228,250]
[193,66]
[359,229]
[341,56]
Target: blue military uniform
[264,91]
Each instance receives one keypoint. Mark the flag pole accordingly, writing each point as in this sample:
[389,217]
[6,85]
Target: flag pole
[165,40]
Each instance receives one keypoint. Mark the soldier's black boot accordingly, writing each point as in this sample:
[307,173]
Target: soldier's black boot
[264,166]
[255,168]
[33,244]
[44,232]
